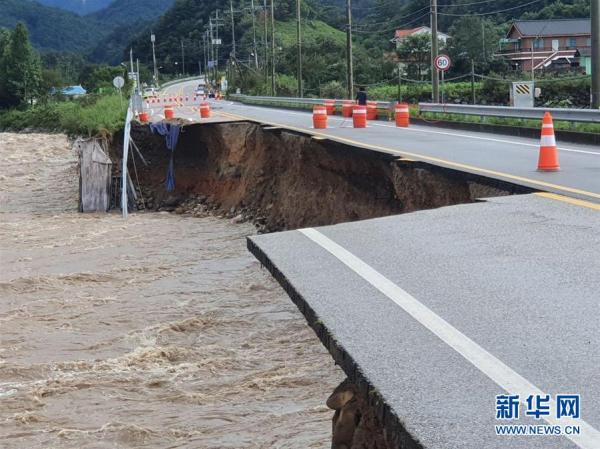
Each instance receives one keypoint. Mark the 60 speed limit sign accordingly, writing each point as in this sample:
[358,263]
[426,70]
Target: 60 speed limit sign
[442,62]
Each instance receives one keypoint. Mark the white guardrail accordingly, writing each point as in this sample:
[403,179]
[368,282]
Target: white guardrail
[569,115]
[565,114]
[181,80]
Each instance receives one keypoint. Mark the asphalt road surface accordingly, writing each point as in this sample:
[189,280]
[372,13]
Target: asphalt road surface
[512,159]
[444,309]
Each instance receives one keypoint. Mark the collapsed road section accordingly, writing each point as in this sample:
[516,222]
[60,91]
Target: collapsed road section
[441,317]
[280,179]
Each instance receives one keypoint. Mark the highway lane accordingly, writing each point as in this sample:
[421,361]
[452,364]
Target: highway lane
[444,309]
[511,159]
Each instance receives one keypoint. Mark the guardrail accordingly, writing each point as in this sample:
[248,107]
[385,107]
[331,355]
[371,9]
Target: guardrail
[304,103]
[564,114]
[181,80]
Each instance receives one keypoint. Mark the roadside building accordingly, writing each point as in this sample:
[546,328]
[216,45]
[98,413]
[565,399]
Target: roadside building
[400,35]
[563,44]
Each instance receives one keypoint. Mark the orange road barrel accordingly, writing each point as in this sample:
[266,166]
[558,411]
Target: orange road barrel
[205,110]
[330,106]
[169,112]
[347,106]
[402,115]
[144,117]
[359,116]
[320,117]
[371,110]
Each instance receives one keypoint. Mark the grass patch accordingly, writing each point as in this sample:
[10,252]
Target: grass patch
[88,116]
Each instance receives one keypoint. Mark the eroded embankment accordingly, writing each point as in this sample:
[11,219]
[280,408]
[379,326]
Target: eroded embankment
[282,180]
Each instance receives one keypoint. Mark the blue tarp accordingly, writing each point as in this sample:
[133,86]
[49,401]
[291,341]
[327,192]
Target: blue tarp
[171,133]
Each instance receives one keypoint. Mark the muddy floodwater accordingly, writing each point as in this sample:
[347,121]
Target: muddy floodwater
[161,331]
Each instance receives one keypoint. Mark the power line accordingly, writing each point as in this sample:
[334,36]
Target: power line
[491,12]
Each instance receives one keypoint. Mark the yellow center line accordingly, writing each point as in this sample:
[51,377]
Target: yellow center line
[568,199]
[423,157]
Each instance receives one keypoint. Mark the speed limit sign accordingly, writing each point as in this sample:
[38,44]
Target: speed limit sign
[442,62]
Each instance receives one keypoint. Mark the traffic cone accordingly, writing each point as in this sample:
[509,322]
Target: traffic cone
[548,160]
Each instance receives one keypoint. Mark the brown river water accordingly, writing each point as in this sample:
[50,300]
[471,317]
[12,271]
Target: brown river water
[161,331]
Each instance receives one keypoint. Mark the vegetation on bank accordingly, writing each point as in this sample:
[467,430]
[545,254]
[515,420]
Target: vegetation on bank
[89,116]
[31,96]
[494,91]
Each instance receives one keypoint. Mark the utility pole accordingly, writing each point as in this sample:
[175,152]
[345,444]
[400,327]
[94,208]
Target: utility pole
[532,61]
[472,81]
[135,82]
[349,63]
[595,11]
[217,49]
[435,81]
[272,47]
[266,43]
[204,51]
[254,48]
[182,59]
[232,29]
[153,39]
[212,47]
[299,41]
[399,68]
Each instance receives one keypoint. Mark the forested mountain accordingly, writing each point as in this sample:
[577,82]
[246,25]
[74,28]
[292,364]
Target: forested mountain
[121,12]
[56,29]
[51,28]
[411,13]
[80,7]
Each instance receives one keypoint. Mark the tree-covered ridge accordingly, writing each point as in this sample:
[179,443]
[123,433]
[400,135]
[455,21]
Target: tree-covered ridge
[121,12]
[412,13]
[80,7]
[56,29]
[51,28]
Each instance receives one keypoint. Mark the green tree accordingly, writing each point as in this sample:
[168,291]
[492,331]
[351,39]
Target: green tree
[474,39]
[415,52]
[21,69]
[94,77]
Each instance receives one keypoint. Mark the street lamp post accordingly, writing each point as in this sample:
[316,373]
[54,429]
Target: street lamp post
[153,40]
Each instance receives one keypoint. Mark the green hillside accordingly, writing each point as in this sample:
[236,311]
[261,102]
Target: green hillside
[80,7]
[51,28]
[54,29]
[122,12]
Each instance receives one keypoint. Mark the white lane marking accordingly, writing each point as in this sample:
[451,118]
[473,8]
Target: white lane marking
[492,367]
[429,131]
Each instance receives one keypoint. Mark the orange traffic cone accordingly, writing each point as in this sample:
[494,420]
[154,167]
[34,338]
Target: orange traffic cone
[548,160]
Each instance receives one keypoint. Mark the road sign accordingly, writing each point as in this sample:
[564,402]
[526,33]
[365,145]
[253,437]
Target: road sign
[442,62]
[119,82]
[522,94]
[132,76]
[216,41]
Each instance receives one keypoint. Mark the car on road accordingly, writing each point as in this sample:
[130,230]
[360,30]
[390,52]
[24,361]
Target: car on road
[200,90]
[149,92]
